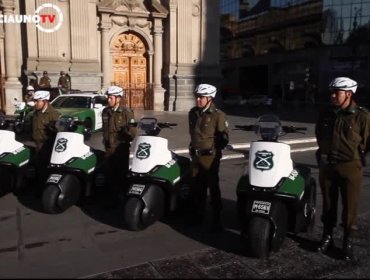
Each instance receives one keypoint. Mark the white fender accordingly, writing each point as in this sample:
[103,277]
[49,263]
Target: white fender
[68,145]
[268,163]
[8,144]
[148,152]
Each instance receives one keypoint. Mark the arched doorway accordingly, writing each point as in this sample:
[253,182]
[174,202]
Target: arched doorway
[130,70]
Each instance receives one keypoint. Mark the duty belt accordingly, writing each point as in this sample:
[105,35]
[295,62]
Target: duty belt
[327,159]
[201,152]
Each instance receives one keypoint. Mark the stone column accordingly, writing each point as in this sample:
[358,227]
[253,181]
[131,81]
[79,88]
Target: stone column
[158,64]
[13,88]
[151,67]
[105,48]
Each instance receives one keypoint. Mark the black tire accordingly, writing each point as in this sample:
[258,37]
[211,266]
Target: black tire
[50,200]
[88,128]
[133,214]
[256,236]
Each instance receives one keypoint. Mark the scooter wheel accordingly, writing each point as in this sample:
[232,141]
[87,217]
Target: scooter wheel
[50,200]
[256,237]
[133,214]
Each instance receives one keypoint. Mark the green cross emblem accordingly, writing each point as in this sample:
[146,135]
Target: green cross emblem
[143,151]
[61,145]
[263,160]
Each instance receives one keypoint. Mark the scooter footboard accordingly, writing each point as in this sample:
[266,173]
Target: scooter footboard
[275,211]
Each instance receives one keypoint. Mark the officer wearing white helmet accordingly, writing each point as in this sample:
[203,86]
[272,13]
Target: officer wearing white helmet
[43,131]
[209,134]
[29,93]
[117,135]
[342,133]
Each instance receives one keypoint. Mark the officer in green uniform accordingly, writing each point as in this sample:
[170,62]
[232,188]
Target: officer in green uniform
[64,82]
[45,80]
[342,134]
[43,131]
[30,91]
[208,129]
[117,135]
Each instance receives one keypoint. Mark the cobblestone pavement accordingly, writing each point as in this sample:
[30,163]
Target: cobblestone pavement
[296,259]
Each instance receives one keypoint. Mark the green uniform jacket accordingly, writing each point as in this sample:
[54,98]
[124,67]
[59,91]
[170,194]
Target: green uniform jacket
[44,82]
[116,127]
[43,124]
[341,133]
[63,82]
[208,129]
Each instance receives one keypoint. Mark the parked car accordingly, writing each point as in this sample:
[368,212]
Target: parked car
[259,100]
[237,100]
[86,106]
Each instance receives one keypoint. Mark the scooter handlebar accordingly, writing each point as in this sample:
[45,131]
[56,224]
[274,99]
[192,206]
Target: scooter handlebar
[245,127]
[166,125]
[292,129]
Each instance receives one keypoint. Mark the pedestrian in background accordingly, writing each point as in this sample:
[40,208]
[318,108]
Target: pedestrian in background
[45,81]
[63,82]
[209,134]
[342,134]
[117,135]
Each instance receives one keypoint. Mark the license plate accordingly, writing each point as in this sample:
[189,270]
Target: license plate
[54,178]
[136,189]
[262,207]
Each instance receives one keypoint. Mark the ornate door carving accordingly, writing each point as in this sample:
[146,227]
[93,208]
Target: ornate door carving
[130,69]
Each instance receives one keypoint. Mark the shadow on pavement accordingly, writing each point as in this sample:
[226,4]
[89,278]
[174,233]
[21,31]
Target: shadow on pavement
[226,240]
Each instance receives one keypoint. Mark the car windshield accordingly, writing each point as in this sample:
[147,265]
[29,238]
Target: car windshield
[72,102]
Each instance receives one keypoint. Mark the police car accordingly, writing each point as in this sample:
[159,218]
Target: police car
[84,106]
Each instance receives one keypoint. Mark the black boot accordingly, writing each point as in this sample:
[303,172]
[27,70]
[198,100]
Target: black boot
[348,253]
[216,225]
[326,241]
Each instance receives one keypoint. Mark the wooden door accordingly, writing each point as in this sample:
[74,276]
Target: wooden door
[130,69]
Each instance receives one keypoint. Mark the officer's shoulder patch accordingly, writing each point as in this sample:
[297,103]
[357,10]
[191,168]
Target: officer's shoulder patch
[363,109]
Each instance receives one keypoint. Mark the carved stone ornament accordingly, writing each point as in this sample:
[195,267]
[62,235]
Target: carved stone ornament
[119,20]
[196,10]
[125,5]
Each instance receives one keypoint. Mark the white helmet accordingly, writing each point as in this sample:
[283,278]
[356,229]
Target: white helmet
[343,83]
[205,90]
[29,88]
[41,95]
[114,90]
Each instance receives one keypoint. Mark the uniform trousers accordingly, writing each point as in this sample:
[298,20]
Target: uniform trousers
[342,178]
[204,170]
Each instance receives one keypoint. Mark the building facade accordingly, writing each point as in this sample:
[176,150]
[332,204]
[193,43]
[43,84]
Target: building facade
[157,50]
[291,49]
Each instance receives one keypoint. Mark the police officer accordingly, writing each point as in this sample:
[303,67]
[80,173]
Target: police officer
[208,129]
[117,135]
[43,130]
[45,80]
[29,94]
[342,134]
[64,82]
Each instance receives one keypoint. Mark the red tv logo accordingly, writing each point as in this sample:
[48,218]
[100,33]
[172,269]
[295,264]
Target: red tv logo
[55,19]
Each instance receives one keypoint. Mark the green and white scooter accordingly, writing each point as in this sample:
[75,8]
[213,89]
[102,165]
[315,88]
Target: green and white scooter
[20,114]
[274,196]
[74,169]
[14,160]
[158,178]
